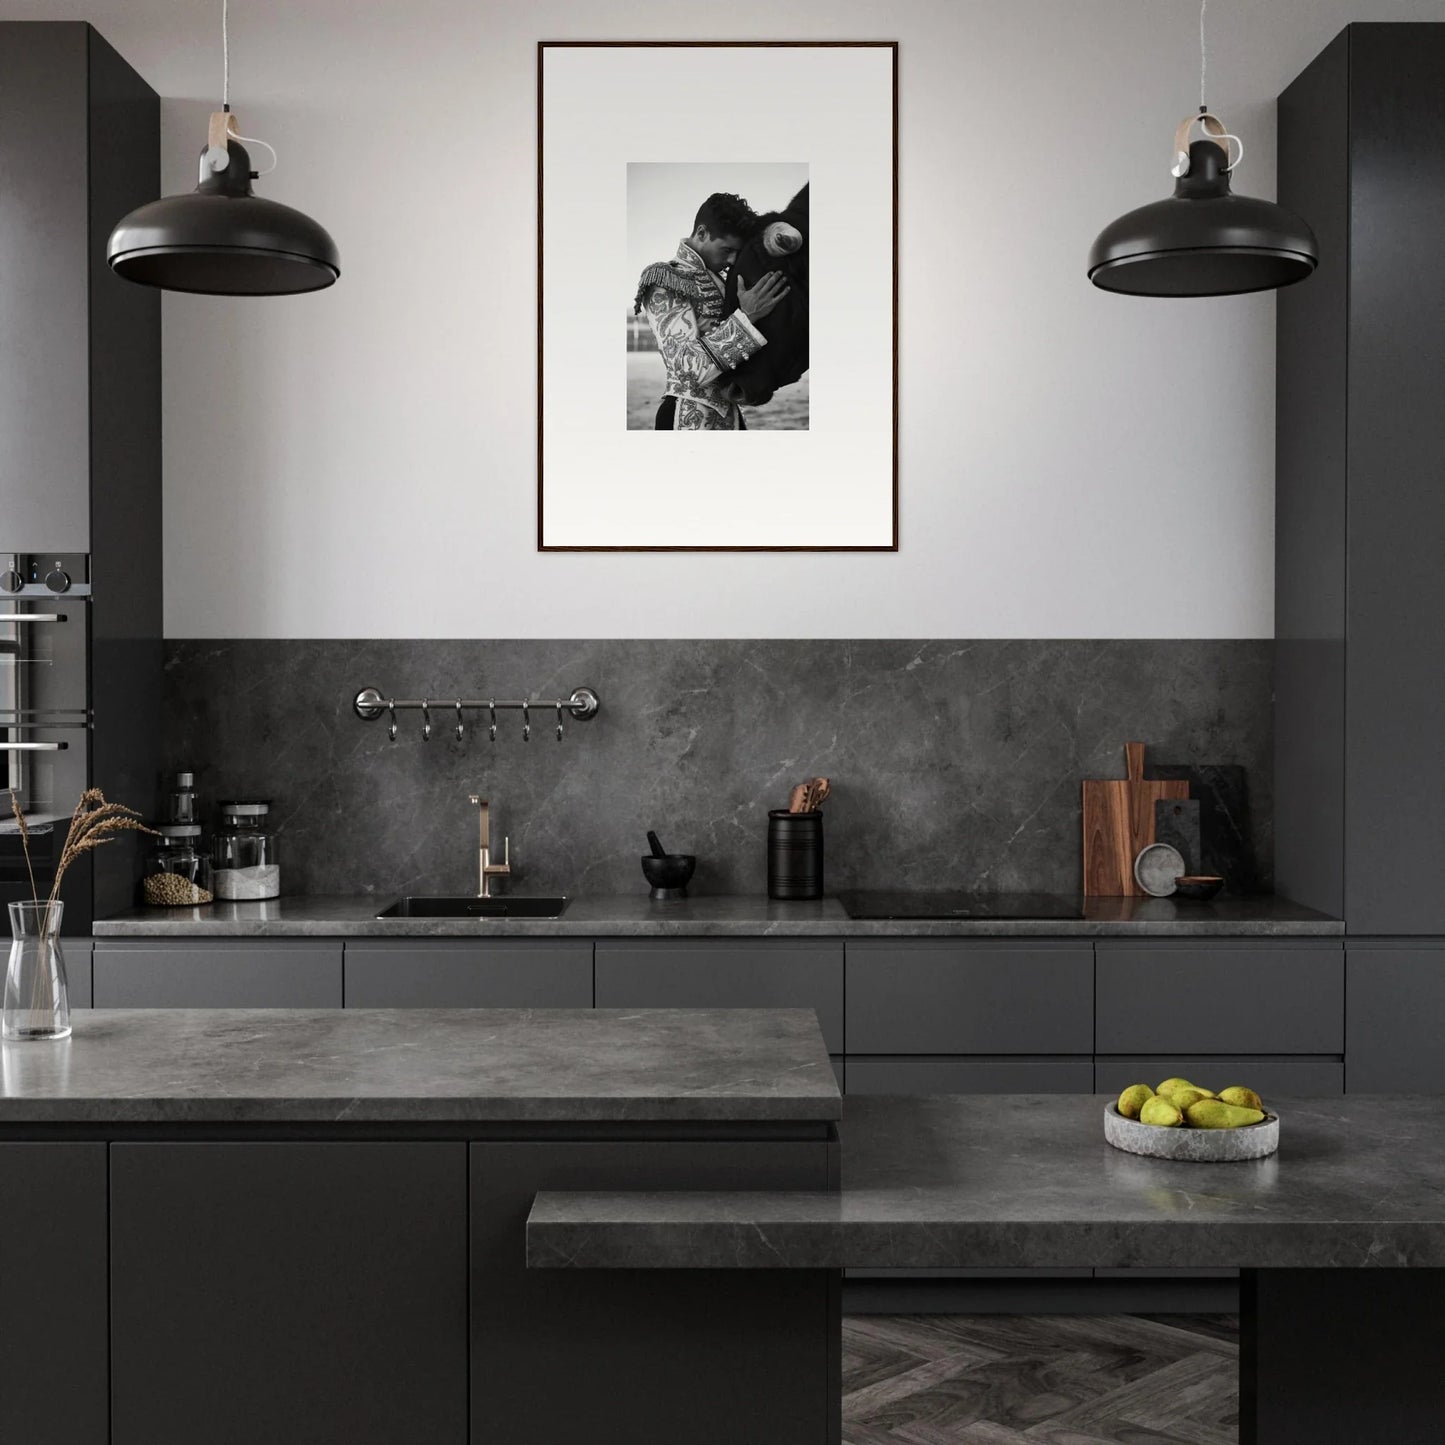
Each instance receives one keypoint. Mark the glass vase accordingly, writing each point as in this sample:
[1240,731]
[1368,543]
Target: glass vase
[37,1000]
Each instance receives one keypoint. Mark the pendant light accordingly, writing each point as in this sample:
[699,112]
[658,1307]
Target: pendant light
[1203,240]
[222,239]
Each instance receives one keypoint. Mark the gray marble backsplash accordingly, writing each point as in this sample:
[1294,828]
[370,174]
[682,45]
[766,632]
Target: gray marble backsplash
[954,764]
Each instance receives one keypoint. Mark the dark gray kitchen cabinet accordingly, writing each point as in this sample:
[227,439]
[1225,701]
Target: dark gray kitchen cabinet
[53,1261]
[716,973]
[77,953]
[727,1356]
[44,305]
[217,973]
[1161,996]
[1359,593]
[318,1287]
[1300,1076]
[80,385]
[953,996]
[460,973]
[1396,1017]
[871,1075]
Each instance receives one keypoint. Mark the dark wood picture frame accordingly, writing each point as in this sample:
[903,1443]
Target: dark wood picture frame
[542,47]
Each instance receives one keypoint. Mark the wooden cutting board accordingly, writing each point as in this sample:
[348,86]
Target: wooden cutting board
[1118,822]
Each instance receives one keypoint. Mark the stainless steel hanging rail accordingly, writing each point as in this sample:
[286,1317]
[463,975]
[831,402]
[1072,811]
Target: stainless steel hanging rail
[371,703]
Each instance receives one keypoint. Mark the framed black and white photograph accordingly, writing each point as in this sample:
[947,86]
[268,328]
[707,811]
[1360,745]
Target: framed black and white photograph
[734,278]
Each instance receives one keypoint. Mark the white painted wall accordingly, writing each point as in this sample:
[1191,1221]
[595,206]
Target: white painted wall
[361,463]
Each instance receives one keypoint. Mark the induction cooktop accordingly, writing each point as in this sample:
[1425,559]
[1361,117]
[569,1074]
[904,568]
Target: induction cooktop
[887,903]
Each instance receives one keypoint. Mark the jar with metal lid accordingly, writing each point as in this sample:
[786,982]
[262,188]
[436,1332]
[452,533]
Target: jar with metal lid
[243,852]
[178,798]
[177,868]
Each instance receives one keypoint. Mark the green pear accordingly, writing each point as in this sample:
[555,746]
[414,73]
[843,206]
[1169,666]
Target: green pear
[1133,1099]
[1160,1111]
[1239,1095]
[1214,1114]
[1169,1085]
[1183,1098]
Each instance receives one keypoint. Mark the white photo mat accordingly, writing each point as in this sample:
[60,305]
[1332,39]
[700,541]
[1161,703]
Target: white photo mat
[831,486]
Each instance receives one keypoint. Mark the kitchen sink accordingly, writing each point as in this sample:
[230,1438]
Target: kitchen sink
[474,907]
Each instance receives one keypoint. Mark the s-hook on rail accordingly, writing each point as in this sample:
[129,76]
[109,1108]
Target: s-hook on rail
[370,703]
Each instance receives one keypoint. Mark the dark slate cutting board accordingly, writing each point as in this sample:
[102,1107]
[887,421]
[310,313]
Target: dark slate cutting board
[1225,836]
[1176,822]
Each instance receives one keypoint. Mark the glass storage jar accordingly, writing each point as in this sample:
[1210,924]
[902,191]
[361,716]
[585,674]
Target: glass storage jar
[178,798]
[177,868]
[243,853]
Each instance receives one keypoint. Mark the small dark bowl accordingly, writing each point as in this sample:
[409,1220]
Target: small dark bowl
[669,874]
[1198,886]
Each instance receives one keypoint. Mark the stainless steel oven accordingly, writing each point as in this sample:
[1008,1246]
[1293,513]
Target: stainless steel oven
[45,711]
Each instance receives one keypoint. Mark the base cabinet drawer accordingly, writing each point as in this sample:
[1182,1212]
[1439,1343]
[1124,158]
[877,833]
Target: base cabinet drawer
[949,997]
[53,1311]
[1220,997]
[456,973]
[298,1293]
[1396,1018]
[1300,1077]
[970,1076]
[706,973]
[210,973]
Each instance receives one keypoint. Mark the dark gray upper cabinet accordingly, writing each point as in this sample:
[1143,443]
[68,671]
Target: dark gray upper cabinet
[80,379]
[1360,685]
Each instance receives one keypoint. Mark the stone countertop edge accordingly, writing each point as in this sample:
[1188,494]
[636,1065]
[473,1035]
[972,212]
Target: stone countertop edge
[720,916]
[1027,1181]
[423,1066]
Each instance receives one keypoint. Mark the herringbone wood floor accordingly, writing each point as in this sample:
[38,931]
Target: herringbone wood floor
[1040,1380]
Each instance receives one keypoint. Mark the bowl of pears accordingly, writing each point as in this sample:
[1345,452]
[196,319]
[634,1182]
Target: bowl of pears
[1181,1120]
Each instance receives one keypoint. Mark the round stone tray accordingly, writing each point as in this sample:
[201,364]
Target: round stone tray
[1197,1146]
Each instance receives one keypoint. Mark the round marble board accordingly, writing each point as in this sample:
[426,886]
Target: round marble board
[1196,1146]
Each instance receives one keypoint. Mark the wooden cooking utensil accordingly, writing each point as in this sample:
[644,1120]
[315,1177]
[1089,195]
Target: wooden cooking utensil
[1118,822]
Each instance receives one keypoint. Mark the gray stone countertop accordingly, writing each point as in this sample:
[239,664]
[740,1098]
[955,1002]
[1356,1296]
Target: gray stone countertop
[981,1181]
[636,916]
[357,1066]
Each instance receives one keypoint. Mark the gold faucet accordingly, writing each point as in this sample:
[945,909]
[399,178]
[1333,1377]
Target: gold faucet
[486,869]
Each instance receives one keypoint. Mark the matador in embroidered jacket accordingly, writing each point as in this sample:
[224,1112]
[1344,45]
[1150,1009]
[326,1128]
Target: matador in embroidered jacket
[699,345]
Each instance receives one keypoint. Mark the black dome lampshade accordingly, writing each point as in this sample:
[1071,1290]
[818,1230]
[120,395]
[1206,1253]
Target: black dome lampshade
[1203,240]
[222,239]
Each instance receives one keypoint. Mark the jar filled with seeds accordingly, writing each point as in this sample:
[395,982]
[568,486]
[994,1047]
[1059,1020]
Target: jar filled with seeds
[177,869]
[244,852]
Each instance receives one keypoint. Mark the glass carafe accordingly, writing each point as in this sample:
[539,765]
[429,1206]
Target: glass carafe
[37,1000]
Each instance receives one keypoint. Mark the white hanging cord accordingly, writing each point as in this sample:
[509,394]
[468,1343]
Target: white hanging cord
[219,161]
[1203,56]
[251,140]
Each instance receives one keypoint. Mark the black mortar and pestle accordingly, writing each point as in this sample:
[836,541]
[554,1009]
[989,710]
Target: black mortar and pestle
[667,872]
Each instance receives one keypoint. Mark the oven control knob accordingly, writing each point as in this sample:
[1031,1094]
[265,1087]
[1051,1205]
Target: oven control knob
[11,580]
[58,581]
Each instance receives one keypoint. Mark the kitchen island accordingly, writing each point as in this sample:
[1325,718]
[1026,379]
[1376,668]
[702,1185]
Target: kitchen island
[309,1226]
[1341,1235]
